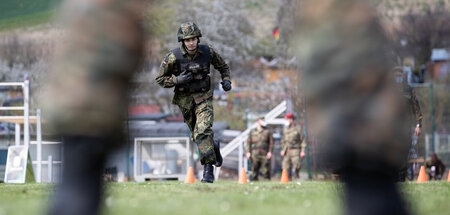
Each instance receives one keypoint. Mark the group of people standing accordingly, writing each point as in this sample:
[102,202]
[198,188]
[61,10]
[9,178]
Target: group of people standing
[260,145]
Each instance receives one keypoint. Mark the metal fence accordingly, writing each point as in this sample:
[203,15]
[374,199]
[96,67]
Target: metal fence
[440,146]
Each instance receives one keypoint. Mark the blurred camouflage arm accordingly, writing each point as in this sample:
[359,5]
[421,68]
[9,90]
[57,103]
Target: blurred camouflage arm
[249,141]
[165,78]
[303,146]
[219,64]
[283,142]
[416,108]
[303,139]
[270,142]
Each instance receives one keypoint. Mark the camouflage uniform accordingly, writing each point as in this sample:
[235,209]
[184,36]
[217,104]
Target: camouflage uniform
[90,76]
[414,108]
[196,107]
[414,116]
[85,97]
[293,142]
[259,143]
[353,106]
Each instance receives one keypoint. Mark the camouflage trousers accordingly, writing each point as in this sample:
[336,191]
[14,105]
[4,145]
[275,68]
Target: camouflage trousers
[291,161]
[200,119]
[260,163]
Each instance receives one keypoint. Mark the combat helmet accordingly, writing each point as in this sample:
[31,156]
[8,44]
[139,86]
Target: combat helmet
[188,30]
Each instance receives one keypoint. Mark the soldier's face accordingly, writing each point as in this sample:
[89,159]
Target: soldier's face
[291,121]
[191,43]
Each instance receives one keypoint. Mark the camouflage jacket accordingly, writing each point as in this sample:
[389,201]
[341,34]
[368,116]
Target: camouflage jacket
[168,69]
[354,106]
[260,140]
[293,138]
[87,86]
[413,104]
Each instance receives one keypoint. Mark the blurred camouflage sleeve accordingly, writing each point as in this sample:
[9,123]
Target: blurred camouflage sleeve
[86,93]
[270,141]
[165,76]
[303,141]
[283,139]
[353,103]
[416,108]
[249,142]
[219,64]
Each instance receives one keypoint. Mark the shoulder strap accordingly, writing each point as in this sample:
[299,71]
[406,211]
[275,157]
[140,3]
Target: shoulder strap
[179,58]
[205,53]
[177,53]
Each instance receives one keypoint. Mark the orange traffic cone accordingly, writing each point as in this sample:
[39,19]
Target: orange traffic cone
[242,177]
[448,176]
[422,175]
[189,176]
[284,177]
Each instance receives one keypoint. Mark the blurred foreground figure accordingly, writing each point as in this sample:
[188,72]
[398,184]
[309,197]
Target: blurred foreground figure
[353,103]
[86,97]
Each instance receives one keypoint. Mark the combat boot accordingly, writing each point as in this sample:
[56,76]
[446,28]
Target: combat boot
[208,174]
[219,158]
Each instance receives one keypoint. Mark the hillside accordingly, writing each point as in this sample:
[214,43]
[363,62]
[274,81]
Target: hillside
[15,14]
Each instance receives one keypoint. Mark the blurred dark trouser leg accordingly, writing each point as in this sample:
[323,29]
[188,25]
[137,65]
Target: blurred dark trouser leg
[411,171]
[402,173]
[372,193]
[80,189]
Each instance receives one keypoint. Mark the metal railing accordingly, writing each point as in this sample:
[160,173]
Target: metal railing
[26,119]
[26,112]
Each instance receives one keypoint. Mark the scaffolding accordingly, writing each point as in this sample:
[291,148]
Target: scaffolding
[26,120]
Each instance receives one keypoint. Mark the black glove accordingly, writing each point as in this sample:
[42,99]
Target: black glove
[226,85]
[183,78]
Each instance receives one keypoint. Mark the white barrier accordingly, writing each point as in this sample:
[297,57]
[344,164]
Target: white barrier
[164,157]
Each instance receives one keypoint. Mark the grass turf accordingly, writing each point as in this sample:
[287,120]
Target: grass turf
[223,197]
[16,14]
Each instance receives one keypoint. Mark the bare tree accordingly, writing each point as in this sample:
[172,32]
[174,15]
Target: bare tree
[419,33]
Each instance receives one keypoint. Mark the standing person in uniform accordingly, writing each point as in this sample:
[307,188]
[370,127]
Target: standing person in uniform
[292,147]
[414,116]
[354,107]
[85,100]
[259,149]
[187,69]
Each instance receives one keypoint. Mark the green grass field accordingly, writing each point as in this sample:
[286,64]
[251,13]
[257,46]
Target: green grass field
[16,14]
[223,197]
